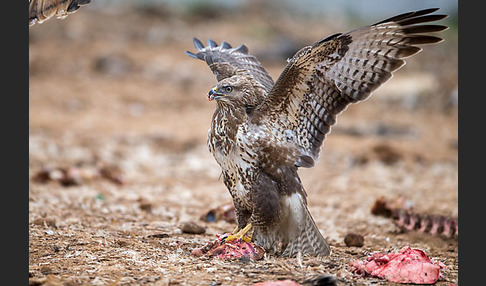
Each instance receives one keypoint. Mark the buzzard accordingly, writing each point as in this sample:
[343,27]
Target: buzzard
[262,131]
[42,10]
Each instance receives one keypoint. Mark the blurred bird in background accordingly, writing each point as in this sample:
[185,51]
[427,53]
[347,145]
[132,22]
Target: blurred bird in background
[42,10]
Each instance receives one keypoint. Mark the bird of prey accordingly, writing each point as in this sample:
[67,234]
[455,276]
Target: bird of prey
[42,10]
[262,132]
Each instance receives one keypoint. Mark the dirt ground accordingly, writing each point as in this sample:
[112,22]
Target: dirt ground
[113,92]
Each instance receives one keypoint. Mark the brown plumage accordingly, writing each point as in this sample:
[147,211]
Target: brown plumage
[262,131]
[42,10]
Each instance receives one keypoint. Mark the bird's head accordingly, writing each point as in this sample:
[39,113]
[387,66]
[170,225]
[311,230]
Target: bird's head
[220,91]
[235,88]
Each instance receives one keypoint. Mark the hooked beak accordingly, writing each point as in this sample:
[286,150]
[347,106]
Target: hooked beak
[213,94]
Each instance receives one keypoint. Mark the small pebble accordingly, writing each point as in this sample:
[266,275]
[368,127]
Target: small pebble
[286,282]
[158,235]
[45,222]
[197,252]
[45,270]
[49,232]
[147,207]
[354,239]
[192,228]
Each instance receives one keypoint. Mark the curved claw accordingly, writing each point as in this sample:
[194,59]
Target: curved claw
[240,235]
[223,239]
[234,237]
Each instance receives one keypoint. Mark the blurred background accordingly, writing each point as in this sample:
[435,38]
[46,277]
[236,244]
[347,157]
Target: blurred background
[112,92]
[112,84]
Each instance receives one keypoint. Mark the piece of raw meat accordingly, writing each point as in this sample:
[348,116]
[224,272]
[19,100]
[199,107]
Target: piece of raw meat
[407,266]
[230,250]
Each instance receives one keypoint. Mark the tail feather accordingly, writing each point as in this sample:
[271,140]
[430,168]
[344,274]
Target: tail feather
[309,241]
[297,234]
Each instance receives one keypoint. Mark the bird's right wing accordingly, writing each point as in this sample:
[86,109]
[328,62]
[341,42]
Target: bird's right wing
[226,61]
[42,10]
[321,80]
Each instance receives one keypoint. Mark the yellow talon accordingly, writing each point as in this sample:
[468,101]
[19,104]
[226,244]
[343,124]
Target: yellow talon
[241,235]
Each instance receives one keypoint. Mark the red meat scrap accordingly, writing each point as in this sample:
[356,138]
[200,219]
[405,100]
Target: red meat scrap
[286,282]
[230,250]
[407,266]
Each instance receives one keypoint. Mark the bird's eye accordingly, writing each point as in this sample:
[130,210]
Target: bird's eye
[228,88]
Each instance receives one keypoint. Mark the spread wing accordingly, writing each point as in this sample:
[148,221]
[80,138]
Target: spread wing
[226,61]
[42,10]
[321,80]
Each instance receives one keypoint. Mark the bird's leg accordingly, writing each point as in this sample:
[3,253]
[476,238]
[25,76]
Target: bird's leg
[241,234]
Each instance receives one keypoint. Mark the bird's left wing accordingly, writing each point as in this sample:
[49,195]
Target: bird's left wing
[226,61]
[321,80]
[42,10]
